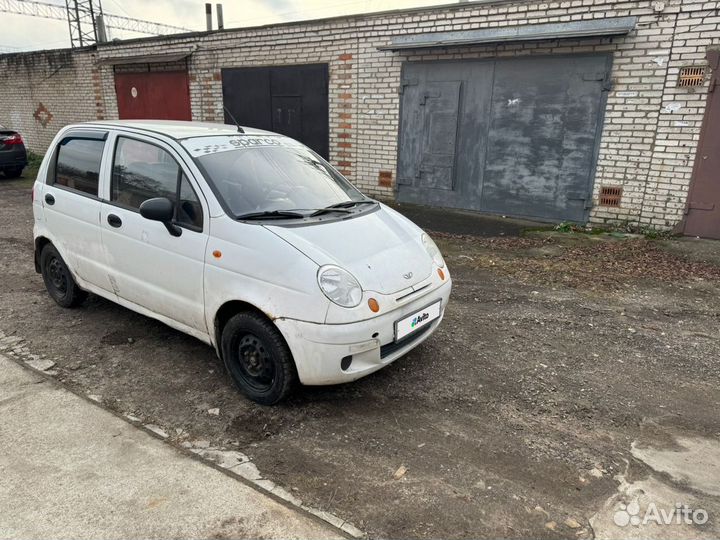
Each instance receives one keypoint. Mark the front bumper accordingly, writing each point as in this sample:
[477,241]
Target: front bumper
[319,348]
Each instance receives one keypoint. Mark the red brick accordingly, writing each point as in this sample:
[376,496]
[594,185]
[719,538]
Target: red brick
[345,57]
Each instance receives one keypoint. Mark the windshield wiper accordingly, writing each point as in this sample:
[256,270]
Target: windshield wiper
[271,214]
[329,210]
[340,207]
[350,204]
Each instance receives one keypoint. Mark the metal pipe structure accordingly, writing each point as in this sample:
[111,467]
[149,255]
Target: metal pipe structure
[220,21]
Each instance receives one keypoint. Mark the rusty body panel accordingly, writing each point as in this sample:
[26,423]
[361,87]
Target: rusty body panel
[703,207]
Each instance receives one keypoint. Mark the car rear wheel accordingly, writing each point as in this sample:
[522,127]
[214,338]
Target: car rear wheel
[257,357]
[14,173]
[58,279]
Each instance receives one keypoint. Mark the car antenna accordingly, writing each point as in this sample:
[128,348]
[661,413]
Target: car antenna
[240,129]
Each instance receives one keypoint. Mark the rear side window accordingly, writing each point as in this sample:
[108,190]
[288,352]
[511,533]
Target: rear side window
[78,164]
[143,171]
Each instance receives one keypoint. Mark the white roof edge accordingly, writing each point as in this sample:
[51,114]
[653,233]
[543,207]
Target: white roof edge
[527,32]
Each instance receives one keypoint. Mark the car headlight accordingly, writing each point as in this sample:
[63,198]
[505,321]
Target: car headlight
[339,286]
[433,250]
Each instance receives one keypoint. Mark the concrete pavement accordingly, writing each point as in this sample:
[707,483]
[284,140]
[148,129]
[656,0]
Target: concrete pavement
[69,469]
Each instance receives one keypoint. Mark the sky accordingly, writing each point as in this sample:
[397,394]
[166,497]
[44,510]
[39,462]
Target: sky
[20,32]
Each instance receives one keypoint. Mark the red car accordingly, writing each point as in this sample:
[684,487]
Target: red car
[13,156]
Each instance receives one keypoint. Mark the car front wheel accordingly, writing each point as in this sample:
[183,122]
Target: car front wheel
[58,279]
[257,357]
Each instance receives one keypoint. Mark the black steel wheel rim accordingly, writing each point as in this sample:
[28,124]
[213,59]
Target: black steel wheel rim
[254,363]
[56,275]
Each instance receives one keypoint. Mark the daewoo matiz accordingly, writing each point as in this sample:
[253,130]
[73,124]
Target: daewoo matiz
[245,239]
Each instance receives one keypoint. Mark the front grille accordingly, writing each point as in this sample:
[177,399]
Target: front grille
[400,298]
[394,346]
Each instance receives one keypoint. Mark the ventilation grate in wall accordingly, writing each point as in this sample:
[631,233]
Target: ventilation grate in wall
[692,76]
[610,195]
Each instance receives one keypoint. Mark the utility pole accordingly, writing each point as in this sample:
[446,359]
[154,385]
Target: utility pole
[82,23]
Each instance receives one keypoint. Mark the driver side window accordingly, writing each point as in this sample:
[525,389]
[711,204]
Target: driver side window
[143,171]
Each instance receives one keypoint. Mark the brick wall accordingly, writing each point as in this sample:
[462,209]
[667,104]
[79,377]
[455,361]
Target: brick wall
[42,91]
[651,125]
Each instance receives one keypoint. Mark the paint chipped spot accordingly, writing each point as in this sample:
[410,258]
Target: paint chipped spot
[114,285]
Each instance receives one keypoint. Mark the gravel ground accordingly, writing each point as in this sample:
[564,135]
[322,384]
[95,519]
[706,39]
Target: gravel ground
[516,419]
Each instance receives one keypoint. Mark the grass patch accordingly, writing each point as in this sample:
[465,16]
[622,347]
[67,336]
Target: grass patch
[618,230]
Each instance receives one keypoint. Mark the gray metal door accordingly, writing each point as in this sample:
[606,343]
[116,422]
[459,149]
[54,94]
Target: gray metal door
[515,136]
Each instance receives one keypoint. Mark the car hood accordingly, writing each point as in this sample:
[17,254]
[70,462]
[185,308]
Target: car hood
[381,248]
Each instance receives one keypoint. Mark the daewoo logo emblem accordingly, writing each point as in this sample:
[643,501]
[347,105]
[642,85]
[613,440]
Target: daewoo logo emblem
[408,275]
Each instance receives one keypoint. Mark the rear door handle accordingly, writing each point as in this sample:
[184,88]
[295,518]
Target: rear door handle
[49,199]
[114,220]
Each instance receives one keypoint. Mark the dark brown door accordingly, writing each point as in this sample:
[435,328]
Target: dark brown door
[159,95]
[703,209]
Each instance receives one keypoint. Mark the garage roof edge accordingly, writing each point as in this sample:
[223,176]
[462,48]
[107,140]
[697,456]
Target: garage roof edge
[144,59]
[528,32]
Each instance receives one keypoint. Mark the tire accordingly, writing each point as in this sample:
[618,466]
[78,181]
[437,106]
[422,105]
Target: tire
[58,280]
[257,358]
[13,173]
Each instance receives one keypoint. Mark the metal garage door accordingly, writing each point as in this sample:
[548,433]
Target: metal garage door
[515,136]
[159,95]
[292,100]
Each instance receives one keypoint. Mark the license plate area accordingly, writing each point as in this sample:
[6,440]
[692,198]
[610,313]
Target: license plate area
[417,320]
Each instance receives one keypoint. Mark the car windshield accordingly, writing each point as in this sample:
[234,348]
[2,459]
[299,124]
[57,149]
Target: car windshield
[269,176]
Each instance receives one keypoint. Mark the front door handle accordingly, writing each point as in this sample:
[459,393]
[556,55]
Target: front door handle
[49,199]
[114,220]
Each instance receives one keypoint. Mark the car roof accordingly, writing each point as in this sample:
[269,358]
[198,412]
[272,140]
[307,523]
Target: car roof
[178,129]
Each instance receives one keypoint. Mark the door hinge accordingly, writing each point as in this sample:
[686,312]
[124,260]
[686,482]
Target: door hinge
[406,82]
[701,206]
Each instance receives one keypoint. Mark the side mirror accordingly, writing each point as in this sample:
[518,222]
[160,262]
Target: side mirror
[160,209]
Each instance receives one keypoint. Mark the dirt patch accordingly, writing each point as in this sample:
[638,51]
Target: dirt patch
[512,420]
[599,262]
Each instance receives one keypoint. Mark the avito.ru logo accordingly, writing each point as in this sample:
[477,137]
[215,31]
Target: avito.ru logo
[420,318]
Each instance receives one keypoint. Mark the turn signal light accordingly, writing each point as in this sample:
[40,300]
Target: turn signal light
[217,253]
[373,305]
[441,274]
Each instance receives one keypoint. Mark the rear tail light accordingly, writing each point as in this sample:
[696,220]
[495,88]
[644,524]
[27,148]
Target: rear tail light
[14,139]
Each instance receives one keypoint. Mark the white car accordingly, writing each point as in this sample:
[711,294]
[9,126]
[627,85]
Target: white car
[243,238]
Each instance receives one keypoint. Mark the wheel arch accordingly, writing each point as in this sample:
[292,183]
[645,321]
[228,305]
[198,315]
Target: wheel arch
[40,243]
[226,311]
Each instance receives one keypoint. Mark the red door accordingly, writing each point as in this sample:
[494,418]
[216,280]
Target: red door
[157,95]
[703,209]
